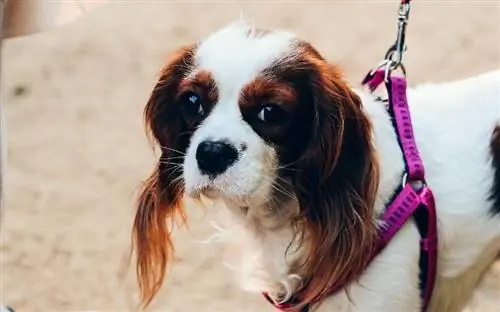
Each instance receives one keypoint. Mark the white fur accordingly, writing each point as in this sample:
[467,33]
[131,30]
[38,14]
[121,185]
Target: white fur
[231,65]
[453,123]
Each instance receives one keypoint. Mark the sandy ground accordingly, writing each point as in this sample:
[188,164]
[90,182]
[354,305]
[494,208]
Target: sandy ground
[73,100]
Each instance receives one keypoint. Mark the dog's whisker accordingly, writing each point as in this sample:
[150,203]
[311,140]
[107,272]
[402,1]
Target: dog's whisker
[172,164]
[283,180]
[177,180]
[175,168]
[173,150]
[286,166]
[280,189]
[176,157]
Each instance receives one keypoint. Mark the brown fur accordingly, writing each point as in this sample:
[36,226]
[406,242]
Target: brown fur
[268,90]
[161,196]
[336,181]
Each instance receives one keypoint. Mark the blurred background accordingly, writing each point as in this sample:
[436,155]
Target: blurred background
[76,150]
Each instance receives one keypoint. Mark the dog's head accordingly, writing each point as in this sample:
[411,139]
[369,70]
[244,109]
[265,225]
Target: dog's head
[247,116]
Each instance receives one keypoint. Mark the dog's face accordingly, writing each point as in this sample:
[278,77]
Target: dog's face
[249,109]
[254,117]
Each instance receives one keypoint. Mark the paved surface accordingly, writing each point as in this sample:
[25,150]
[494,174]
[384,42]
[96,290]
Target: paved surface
[73,100]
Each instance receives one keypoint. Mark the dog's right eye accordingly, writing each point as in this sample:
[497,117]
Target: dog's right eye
[191,105]
[271,113]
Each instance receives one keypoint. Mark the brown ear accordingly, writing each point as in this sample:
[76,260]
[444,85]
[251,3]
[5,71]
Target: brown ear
[336,185]
[161,196]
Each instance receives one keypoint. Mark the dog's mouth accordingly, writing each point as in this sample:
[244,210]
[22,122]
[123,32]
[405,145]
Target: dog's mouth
[209,191]
[233,187]
[216,192]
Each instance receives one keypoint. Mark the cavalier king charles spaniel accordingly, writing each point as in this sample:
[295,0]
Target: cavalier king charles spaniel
[260,122]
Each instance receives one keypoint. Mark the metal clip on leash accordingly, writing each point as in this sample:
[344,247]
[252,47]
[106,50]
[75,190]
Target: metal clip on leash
[394,56]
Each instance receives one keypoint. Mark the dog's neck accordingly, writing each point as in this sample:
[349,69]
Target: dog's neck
[264,235]
[262,253]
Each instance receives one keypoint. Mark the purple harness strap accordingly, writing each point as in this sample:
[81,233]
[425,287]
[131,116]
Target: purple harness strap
[414,199]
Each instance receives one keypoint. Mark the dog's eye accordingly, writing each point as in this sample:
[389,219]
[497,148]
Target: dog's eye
[191,103]
[271,113]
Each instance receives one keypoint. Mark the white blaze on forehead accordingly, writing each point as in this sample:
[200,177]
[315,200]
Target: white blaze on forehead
[234,56]
[237,53]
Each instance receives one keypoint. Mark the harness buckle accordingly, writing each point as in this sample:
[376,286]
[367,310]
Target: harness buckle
[417,184]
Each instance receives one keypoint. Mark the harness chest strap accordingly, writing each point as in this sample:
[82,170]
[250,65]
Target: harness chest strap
[410,201]
[415,198]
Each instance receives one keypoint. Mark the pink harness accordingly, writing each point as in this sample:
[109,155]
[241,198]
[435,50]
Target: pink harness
[414,198]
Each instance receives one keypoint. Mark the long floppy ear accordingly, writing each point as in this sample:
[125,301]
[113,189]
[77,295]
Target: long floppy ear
[336,184]
[161,196]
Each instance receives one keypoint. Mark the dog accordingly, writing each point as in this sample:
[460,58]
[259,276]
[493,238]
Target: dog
[305,165]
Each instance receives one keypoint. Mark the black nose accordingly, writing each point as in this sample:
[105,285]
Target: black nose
[214,157]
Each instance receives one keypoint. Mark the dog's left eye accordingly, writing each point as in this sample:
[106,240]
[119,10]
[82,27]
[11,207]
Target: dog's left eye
[271,113]
[192,107]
